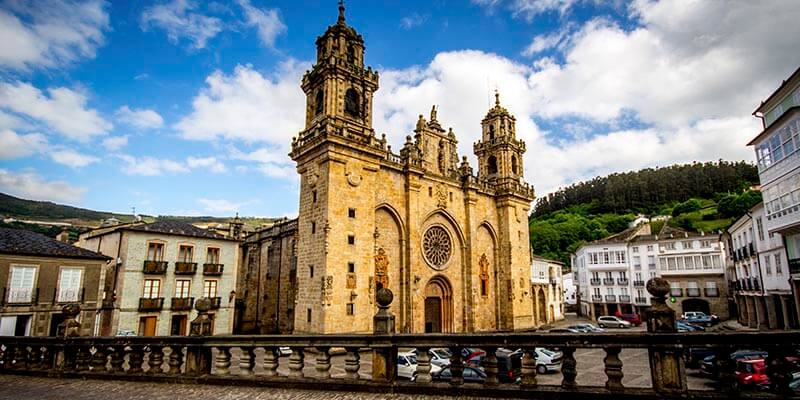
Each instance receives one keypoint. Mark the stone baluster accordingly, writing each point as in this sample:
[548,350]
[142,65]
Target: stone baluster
[297,362]
[21,357]
[323,365]
[247,360]
[271,357]
[352,363]
[6,356]
[667,369]
[490,366]
[135,359]
[423,365]
[69,353]
[613,368]
[529,368]
[175,359]
[117,359]
[99,359]
[49,357]
[456,367]
[223,361]
[569,368]
[35,357]
[156,360]
[83,358]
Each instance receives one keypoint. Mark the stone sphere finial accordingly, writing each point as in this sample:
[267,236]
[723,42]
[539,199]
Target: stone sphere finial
[202,304]
[384,297]
[71,310]
[658,287]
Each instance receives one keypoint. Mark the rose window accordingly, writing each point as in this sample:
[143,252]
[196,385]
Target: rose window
[436,246]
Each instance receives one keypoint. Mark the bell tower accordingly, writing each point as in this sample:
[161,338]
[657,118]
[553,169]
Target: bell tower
[499,152]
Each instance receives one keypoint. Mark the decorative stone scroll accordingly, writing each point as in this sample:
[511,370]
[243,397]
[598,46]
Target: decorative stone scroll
[382,268]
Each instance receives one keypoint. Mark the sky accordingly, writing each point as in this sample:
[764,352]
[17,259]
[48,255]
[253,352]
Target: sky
[189,107]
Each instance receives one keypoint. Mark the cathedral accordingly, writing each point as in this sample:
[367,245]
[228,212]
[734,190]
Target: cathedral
[450,243]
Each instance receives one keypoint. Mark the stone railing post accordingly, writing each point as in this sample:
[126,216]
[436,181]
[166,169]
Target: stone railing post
[666,366]
[66,358]
[384,360]
[198,357]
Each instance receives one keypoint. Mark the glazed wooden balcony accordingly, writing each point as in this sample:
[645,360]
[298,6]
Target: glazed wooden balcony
[210,269]
[215,302]
[181,303]
[185,268]
[151,304]
[155,267]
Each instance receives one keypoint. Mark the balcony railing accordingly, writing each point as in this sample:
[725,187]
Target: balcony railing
[232,360]
[21,295]
[692,292]
[641,300]
[155,267]
[676,292]
[712,292]
[610,298]
[622,281]
[637,267]
[215,302]
[638,283]
[624,298]
[608,281]
[594,281]
[185,268]
[597,298]
[151,304]
[70,295]
[651,267]
[181,303]
[213,269]
[794,266]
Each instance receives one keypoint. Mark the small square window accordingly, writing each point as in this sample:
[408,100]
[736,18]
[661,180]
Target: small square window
[351,239]
[310,271]
[350,309]
[351,267]
[351,212]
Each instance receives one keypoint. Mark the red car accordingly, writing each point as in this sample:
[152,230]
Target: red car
[751,372]
[634,319]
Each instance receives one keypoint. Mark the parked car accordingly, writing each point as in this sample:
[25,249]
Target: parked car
[750,372]
[407,366]
[548,360]
[710,366]
[586,328]
[126,332]
[470,374]
[612,322]
[469,353]
[509,365]
[696,355]
[634,319]
[284,351]
[439,356]
[700,318]
[687,327]
[565,330]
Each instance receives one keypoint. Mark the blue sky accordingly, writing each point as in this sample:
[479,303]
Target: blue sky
[188,107]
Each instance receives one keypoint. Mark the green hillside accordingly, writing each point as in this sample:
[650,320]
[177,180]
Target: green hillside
[705,197]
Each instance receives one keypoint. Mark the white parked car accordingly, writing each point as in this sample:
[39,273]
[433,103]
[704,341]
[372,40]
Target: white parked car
[608,321]
[407,366]
[547,360]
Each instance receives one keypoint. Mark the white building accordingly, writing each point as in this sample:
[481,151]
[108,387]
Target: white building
[779,172]
[570,290]
[612,272]
[547,290]
[761,282]
[160,270]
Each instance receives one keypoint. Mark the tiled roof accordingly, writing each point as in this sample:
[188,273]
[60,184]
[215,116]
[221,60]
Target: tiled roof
[21,242]
[177,228]
[547,260]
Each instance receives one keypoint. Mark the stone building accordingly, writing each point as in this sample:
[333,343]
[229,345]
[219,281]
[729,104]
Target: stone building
[760,282]
[40,275]
[612,272]
[547,289]
[160,269]
[452,245]
[267,280]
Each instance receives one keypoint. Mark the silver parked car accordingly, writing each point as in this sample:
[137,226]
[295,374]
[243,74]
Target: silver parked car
[609,321]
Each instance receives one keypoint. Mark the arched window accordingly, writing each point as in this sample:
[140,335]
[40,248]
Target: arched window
[351,54]
[514,164]
[492,165]
[318,102]
[352,103]
[491,132]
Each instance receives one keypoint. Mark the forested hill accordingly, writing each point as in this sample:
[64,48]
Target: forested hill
[647,190]
[701,197]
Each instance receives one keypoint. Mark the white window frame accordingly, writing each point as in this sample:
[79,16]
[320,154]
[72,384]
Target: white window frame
[21,294]
[70,293]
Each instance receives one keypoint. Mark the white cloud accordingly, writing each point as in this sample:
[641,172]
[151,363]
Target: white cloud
[250,107]
[30,185]
[62,109]
[50,33]
[179,19]
[13,145]
[210,163]
[72,158]
[150,166]
[412,21]
[142,118]
[529,9]
[115,142]
[221,206]
[266,21]
[270,161]
[544,42]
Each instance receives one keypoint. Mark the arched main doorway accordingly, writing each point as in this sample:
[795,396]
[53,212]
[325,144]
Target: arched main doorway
[438,305]
[696,305]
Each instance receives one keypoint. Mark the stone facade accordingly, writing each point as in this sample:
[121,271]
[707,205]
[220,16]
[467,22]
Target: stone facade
[547,288]
[452,246]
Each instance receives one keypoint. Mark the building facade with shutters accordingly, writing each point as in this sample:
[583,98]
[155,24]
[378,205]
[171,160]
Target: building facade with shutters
[39,276]
[547,289]
[160,269]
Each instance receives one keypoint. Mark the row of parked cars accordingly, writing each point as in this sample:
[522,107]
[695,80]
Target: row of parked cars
[509,364]
[750,368]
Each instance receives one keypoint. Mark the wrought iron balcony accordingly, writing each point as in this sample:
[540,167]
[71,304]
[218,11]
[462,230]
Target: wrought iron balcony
[151,304]
[622,281]
[594,281]
[624,298]
[638,283]
[610,298]
[608,281]
[597,298]
[692,292]
[641,300]
[181,303]
[21,296]
[712,292]
[676,292]
[215,302]
[651,267]
[213,269]
[155,267]
[185,268]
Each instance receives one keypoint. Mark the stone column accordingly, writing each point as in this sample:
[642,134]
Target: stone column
[786,316]
[384,359]
[772,315]
[666,366]
[752,318]
[198,357]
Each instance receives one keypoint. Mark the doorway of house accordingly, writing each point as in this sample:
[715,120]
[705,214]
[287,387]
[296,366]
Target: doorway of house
[438,306]
[178,325]
[147,326]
